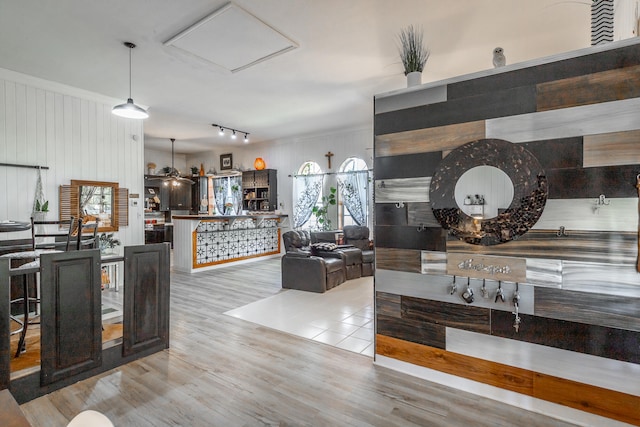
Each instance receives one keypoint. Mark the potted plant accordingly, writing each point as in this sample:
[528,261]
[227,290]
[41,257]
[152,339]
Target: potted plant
[107,243]
[322,213]
[413,54]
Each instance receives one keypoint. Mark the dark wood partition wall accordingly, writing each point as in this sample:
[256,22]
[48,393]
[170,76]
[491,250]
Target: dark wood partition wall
[5,324]
[579,115]
[71,317]
[71,320]
[146,303]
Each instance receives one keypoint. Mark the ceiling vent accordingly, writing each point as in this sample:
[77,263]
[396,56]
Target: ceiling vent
[233,39]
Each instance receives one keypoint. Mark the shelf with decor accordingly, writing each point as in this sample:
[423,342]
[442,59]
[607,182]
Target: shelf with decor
[260,190]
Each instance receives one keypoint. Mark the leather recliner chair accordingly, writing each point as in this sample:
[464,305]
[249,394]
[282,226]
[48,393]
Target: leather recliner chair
[307,272]
[358,236]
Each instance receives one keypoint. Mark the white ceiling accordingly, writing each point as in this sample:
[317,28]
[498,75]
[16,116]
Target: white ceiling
[346,52]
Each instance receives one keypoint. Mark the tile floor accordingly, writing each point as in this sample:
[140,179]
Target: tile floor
[341,317]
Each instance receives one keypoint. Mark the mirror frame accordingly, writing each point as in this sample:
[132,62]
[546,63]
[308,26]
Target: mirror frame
[530,191]
[114,207]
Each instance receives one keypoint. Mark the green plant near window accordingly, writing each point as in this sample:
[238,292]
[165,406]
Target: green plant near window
[412,51]
[322,212]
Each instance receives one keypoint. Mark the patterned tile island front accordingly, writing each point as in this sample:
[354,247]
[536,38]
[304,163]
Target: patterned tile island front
[206,242]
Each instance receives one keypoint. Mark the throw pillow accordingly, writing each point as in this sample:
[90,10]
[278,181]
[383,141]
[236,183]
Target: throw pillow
[326,247]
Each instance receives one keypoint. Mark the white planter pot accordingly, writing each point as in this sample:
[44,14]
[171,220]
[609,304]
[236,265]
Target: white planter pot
[414,78]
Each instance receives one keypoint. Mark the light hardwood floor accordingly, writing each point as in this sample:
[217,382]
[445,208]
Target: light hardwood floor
[223,371]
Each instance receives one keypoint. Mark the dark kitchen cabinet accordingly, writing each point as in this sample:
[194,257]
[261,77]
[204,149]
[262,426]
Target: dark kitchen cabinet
[260,190]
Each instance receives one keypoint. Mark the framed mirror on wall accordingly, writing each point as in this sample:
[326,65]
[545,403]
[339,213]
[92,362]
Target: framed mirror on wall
[95,201]
[488,191]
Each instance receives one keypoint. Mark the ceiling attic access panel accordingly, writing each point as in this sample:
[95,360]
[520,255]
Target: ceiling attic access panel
[254,40]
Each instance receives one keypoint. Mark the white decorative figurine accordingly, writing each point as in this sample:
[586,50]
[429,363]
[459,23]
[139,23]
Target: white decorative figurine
[498,58]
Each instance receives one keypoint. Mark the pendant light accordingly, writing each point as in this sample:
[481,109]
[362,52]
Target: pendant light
[174,176]
[130,110]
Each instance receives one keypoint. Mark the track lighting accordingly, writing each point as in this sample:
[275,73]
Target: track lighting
[130,110]
[234,132]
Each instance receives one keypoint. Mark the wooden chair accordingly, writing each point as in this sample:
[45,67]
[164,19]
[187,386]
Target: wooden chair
[42,230]
[87,235]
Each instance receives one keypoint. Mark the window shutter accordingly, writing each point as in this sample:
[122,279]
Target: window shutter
[123,207]
[69,202]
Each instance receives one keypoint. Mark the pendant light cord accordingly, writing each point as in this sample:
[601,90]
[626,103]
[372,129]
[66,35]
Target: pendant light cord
[130,72]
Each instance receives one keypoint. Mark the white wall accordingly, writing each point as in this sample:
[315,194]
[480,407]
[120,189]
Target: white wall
[73,132]
[163,159]
[287,155]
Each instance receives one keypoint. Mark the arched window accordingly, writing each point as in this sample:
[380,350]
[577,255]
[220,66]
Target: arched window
[353,184]
[307,190]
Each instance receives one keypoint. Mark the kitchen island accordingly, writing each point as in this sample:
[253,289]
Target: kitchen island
[203,242]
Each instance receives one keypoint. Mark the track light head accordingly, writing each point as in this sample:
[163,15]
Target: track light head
[246,138]
[233,135]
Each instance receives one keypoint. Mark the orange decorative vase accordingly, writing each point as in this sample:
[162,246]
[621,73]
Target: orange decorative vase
[259,164]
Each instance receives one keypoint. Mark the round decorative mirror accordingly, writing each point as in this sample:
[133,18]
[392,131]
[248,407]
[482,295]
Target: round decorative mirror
[488,191]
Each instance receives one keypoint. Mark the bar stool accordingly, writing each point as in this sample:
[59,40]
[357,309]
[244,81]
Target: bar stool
[25,264]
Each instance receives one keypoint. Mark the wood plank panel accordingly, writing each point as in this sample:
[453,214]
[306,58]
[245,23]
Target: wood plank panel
[390,214]
[407,165]
[411,330]
[402,190]
[495,374]
[620,215]
[612,181]
[610,85]
[398,259]
[433,239]
[611,404]
[435,139]
[561,66]
[388,305]
[438,288]
[605,310]
[583,368]
[418,96]
[581,396]
[544,272]
[497,103]
[465,317]
[421,214]
[606,117]
[487,267]
[611,149]
[433,262]
[558,153]
[146,302]
[601,341]
[585,246]
[594,277]
[71,341]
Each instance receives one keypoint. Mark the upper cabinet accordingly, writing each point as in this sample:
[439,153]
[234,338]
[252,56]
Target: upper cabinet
[260,190]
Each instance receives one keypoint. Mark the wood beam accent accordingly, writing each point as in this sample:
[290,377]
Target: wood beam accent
[428,140]
[596,400]
[612,85]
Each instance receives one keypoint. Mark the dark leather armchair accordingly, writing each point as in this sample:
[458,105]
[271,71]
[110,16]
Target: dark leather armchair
[358,236]
[306,272]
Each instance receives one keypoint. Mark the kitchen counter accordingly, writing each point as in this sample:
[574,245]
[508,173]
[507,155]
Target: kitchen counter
[203,242]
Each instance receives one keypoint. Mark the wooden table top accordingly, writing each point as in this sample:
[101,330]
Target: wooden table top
[9,226]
